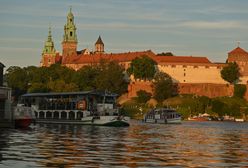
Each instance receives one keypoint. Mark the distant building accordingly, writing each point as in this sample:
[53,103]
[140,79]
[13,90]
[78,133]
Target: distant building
[6,116]
[240,56]
[183,69]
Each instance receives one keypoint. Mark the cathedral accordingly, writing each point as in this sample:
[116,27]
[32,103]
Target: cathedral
[183,69]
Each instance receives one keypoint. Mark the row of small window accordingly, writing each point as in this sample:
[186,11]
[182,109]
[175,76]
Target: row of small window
[185,66]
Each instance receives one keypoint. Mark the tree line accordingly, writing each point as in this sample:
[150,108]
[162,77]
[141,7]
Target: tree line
[106,75]
[56,78]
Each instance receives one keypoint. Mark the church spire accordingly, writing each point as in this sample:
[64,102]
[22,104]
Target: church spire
[49,52]
[49,45]
[69,43]
[70,28]
[99,46]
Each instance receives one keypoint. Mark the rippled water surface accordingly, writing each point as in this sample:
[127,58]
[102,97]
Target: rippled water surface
[190,144]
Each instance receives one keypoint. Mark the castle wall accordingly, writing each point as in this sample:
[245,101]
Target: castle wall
[134,87]
[202,89]
[193,73]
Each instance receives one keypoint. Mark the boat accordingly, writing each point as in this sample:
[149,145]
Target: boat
[85,108]
[23,116]
[239,120]
[163,115]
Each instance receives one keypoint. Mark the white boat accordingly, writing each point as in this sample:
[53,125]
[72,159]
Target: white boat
[85,108]
[239,120]
[162,115]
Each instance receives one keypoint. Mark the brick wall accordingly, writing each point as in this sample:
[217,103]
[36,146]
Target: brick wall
[201,89]
[134,87]
[206,89]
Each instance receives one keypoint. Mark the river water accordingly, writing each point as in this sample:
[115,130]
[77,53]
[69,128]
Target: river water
[190,144]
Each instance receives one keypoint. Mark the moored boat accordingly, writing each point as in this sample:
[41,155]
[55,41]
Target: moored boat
[23,116]
[162,115]
[85,108]
[239,120]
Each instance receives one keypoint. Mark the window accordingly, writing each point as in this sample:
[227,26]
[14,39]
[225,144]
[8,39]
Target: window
[184,74]
[70,33]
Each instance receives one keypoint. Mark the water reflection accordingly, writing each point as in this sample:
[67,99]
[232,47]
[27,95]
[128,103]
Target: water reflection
[190,144]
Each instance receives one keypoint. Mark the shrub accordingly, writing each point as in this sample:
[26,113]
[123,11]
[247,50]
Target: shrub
[239,90]
[143,96]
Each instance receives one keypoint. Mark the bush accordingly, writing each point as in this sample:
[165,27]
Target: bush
[219,107]
[239,90]
[143,96]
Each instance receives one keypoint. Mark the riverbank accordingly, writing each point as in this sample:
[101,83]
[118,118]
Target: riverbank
[191,105]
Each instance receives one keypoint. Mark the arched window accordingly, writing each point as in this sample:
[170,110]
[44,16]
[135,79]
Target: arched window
[70,33]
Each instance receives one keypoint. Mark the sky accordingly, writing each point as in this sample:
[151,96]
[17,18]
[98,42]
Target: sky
[208,28]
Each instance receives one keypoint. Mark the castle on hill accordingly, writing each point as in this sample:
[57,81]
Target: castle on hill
[183,69]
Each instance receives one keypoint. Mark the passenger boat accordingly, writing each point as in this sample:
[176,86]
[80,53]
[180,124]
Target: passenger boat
[162,115]
[23,116]
[85,108]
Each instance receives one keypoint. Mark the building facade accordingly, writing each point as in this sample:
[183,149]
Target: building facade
[183,69]
[6,116]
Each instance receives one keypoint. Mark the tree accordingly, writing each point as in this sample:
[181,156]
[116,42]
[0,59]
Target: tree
[143,96]
[86,77]
[230,73]
[111,77]
[219,107]
[165,54]
[239,90]
[142,68]
[163,86]
[17,79]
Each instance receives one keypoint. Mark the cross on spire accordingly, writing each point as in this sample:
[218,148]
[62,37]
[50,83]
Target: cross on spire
[238,43]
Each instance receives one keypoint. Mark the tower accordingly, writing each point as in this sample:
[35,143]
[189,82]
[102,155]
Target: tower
[49,52]
[99,46]
[69,43]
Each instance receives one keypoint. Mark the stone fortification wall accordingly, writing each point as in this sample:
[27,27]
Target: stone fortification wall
[201,89]
[206,89]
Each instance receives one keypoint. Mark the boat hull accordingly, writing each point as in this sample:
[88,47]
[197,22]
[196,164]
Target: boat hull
[164,121]
[113,121]
[23,123]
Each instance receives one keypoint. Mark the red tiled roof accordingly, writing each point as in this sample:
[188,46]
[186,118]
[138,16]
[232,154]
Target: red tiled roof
[238,51]
[181,59]
[128,57]
[95,58]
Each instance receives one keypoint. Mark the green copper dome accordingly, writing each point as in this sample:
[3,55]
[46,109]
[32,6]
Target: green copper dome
[49,45]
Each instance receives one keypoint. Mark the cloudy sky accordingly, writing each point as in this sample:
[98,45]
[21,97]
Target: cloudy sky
[208,28]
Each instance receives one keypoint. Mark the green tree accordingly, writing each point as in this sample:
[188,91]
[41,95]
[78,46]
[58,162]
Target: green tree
[163,86]
[219,107]
[165,54]
[17,79]
[86,77]
[239,90]
[111,77]
[142,68]
[230,73]
[143,96]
